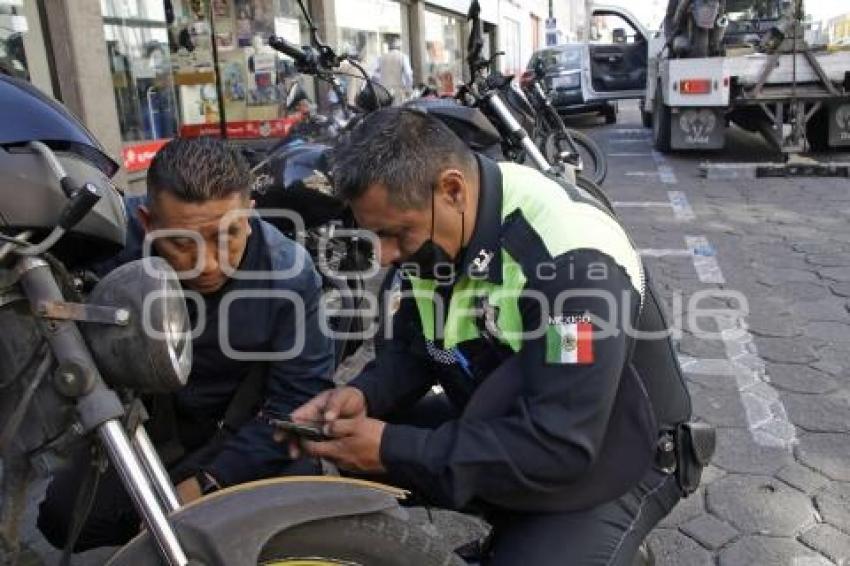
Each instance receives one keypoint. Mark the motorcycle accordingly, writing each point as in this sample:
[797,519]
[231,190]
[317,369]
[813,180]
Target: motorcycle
[78,355]
[555,140]
[510,111]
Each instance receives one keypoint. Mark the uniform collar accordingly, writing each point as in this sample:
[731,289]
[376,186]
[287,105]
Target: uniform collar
[483,258]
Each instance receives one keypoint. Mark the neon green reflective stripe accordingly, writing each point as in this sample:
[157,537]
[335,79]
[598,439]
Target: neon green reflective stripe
[423,294]
[563,224]
[460,321]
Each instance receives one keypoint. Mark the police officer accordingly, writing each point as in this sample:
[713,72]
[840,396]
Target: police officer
[525,302]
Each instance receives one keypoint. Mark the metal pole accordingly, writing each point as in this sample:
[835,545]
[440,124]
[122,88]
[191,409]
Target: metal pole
[133,476]
[219,89]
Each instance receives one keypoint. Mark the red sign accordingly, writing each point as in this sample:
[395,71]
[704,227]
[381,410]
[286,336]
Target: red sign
[242,130]
[138,157]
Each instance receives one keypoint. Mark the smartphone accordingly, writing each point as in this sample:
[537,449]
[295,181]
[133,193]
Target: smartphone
[311,431]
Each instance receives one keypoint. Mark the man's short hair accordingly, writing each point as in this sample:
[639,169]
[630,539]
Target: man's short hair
[403,149]
[198,170]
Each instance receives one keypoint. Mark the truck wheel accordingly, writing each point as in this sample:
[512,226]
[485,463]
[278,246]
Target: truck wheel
[817,131]
[368,540]
[646,118]
[661,123]
[610,113]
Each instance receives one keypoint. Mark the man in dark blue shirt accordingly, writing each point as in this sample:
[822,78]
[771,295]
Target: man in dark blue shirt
[254,298]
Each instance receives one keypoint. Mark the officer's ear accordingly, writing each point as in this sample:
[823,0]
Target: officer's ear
[453,190]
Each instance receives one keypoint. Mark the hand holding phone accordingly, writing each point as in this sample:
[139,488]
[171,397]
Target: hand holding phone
[304,431]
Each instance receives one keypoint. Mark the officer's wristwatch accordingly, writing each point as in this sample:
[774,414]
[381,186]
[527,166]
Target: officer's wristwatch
[207,483]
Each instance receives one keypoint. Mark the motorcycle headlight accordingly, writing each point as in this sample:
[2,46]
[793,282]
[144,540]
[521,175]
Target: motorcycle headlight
[151,352]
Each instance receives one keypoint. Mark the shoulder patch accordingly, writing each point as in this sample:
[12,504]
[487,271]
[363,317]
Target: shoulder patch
[569,340]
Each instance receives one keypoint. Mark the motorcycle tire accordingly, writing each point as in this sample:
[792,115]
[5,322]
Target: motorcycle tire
[595,191]
[368,540]
[595,164]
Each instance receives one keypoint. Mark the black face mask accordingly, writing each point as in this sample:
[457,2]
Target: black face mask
[431,261]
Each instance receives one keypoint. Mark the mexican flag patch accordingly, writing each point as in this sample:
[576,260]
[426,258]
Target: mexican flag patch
[569,340]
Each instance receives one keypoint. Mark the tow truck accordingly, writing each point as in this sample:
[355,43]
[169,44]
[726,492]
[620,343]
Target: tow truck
[717,62]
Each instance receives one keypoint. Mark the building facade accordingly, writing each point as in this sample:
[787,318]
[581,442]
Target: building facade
[140,72]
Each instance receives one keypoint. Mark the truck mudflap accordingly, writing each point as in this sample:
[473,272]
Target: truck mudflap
[697,128]
[839,125]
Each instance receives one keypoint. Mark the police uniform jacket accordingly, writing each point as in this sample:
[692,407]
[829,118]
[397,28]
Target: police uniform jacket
[532,341]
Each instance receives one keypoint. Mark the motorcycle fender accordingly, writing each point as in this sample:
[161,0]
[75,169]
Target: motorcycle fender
[231,527]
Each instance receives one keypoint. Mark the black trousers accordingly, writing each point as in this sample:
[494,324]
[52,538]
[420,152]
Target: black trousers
[113,520]
[606,535]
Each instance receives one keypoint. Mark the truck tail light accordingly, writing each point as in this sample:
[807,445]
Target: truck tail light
[695,86]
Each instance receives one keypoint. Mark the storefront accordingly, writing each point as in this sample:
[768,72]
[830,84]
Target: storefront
[446,33]
[193,67]
[140,72]
[23,52]
[444,50]
[203,67]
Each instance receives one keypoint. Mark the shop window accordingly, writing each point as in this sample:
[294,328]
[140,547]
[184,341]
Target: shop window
[372,32]
[163,55]
[22,50]
[444,57]
[512,60]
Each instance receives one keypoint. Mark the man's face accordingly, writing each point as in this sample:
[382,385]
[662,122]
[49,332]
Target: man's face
[402,231]
[223,230]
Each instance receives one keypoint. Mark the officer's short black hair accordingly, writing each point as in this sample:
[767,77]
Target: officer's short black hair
[198,170]
[403,149]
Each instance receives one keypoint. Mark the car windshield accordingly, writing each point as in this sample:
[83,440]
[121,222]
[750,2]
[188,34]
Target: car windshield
[569,57]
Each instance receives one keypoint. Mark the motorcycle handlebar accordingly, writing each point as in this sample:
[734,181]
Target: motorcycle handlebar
[280,44]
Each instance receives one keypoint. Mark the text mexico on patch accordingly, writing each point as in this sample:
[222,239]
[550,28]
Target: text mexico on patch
[569,340]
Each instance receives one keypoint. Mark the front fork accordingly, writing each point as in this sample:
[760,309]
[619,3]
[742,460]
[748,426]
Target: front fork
[557,126]
[517,132]
[100,410]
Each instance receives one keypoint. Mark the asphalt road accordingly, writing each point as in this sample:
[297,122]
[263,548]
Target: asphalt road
[769,367]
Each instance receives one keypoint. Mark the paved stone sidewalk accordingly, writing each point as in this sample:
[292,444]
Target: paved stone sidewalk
[785,245]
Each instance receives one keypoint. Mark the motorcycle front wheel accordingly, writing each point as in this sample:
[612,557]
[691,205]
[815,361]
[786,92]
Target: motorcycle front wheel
[363,540]
[596,192]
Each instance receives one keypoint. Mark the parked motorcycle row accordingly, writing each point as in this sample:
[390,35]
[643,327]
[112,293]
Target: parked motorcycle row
[57,384]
